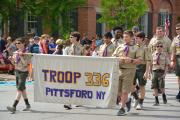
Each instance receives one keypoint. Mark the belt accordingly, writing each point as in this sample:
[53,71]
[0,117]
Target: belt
[21,71]
[159,70]
[178,56]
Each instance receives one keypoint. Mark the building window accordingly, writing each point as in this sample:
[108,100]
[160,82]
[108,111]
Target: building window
[145,23]
[31,23]
[163,15]
[99,26]
[74,20]
[162,18]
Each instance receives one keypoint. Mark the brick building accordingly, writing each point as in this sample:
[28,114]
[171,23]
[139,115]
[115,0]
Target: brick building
[85,19]
[158,10]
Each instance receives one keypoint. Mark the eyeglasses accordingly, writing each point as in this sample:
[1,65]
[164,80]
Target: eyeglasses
[18,43]
[159,46]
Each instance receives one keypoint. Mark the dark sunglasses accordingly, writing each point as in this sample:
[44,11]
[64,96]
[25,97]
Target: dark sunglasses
[18,43]
[159,46]
[178,28]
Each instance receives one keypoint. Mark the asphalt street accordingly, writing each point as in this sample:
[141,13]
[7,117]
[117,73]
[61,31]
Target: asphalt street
[47,111]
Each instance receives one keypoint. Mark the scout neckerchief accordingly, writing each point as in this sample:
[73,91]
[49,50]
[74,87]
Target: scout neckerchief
[18,56]
[158,58]
[74,50]
[126,49]
[105,52]
[179,40]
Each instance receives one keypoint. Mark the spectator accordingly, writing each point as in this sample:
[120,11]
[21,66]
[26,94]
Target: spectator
[10,47]
[99,41]
[51,46]
[44,41]
[2,45]
[87,50]
[35,46]
[85,40]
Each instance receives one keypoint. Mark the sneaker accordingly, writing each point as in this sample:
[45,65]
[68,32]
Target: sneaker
[11,109]
[178,96]
[139,107]
[68,107]
[27,108]
[128,105]
[135,103]
[121,112]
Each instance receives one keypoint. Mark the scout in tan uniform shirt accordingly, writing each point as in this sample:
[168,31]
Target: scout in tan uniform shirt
[175,57]
[159,65]
[75,49]
[129,56]
[140,70]
[160,37]
[107,49]
[21,61]
[117,40]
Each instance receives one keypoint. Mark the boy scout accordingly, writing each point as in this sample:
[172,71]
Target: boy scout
[140,70]
[129,56]
[175,57]
[118,38]
[159,65]
[75,49]
[21,61]
[107,49]
[160,37]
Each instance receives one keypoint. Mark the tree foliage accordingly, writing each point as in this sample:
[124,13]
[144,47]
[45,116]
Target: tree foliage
[122,12]
[49,10]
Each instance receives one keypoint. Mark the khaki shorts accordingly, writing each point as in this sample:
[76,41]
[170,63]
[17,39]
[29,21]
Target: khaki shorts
[158,79]
[126,79]
[177,69]
[21,80]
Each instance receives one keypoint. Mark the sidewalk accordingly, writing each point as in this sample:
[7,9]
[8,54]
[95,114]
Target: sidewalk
[6,77]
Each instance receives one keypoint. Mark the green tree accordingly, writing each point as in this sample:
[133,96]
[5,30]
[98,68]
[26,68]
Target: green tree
[122,12]
[51,11]
[6,8]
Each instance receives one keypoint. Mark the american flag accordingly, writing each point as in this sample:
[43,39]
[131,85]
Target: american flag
[166,26]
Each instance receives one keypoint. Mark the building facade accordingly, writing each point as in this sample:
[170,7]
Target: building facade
[158,11]
[86,18]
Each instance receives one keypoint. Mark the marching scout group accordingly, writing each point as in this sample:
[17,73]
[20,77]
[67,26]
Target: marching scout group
[139,61]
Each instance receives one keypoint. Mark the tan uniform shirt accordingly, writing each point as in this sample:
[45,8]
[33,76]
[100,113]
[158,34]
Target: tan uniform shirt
[134,52]
[163,61]
[75,50]
[145,53]
[117,42]
[106,50]
[165,41]
[21,62]
[175,46]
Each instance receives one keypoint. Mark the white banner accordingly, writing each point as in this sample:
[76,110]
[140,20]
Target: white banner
[78,80]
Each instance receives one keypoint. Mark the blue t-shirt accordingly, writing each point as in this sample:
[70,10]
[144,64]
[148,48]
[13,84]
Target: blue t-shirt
[51,45]
[2,45]
[34,48]
[99,42]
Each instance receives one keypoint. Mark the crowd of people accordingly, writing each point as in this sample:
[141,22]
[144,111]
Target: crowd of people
[140,59]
